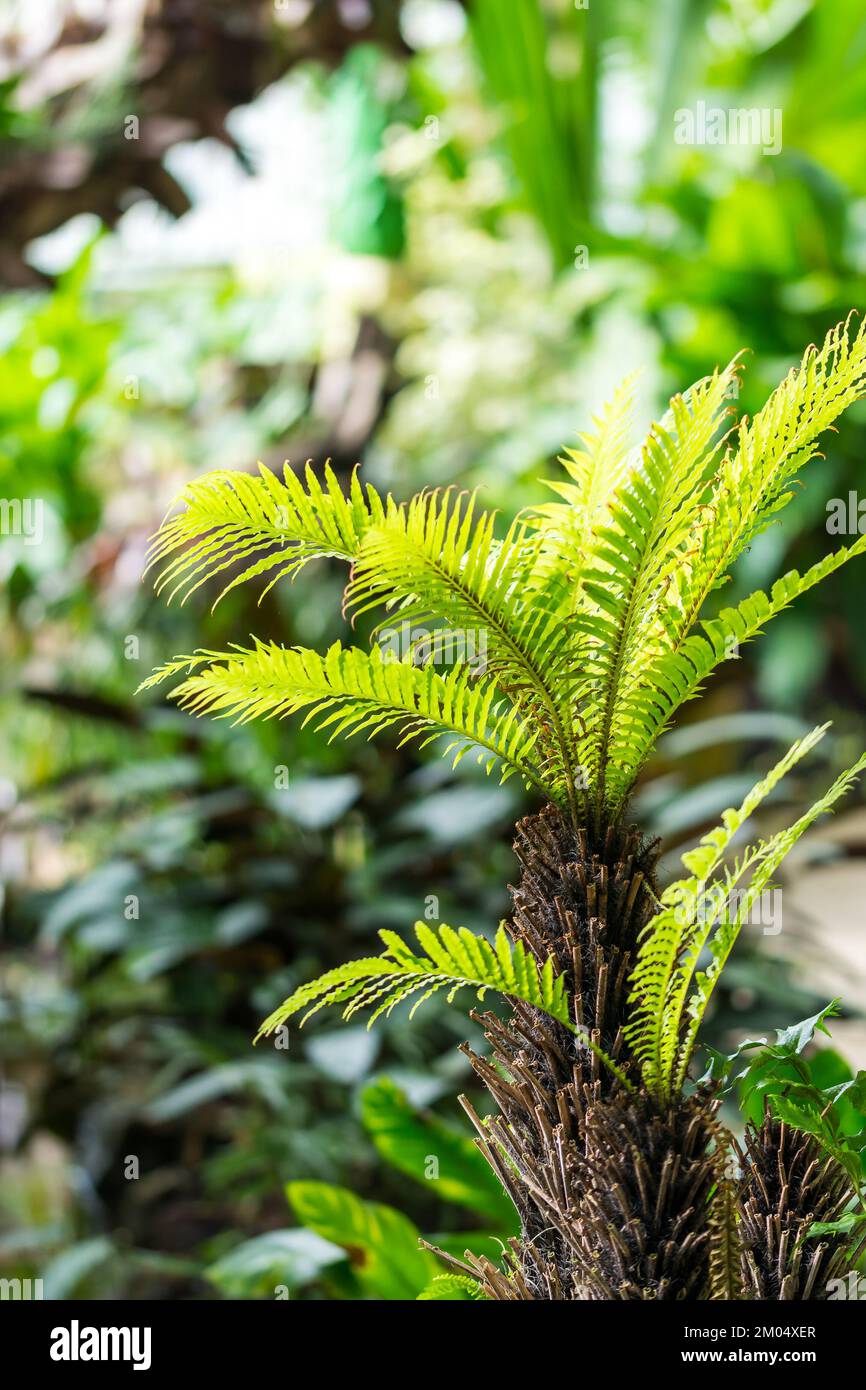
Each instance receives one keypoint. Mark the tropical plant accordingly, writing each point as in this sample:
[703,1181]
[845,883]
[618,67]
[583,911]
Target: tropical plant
[594,610]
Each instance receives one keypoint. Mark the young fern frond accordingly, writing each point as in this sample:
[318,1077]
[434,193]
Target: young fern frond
[755,478]
[566,527]
[752,483]
[448,959]
[673,939]
[272,526]
[766,858]
[703,906]
[677,676]
[349,691]
[668,1008]
[633,557]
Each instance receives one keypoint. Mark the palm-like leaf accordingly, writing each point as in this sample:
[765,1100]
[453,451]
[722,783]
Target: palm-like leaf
[677,676]
[567,527]
[754,481]
[588,605]
[620,618]
[439,558]
[752,484]
[764,859]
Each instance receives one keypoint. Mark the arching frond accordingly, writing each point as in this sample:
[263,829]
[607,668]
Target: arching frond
[697,914]
[349,691]
[755,477]
[652,517]
[270,526]
[764,861]
[448,959]
[678,675]
[439,558]
[673,939]
[749,487]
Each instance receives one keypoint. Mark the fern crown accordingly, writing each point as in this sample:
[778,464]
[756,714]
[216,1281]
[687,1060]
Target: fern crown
[590,609]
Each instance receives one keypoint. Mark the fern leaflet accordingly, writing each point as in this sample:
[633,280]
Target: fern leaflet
[448,959]
[349,691]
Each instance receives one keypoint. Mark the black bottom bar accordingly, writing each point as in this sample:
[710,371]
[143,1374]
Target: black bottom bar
[77,1339]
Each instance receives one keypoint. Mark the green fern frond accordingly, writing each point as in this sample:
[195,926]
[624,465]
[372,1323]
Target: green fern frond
[439,558]
[677,676]
[694,916]
[674,938]
[652,518]
[449,959]
[755,478]
[454,1287]
[763,860]
[566,527]
[704,902]
[751,485]
[349,691]
[267,523]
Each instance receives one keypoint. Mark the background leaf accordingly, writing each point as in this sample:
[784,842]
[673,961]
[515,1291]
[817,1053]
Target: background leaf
[412,1141]
[381,1243]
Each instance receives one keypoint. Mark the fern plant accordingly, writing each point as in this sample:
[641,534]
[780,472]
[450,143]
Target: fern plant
[594,612]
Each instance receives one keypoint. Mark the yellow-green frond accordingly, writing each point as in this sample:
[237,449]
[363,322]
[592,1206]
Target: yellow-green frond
[631,556]
[762,860]
[446,959]
[349,691]
[754,480]
[439,558]
[673,940]
[264,525]
[566,527]
[668,681]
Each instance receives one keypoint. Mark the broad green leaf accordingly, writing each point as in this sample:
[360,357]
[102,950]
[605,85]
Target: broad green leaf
[382,1244]
[446,1162]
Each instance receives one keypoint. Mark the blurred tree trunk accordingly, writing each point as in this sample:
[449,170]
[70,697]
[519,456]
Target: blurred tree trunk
[95,106]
